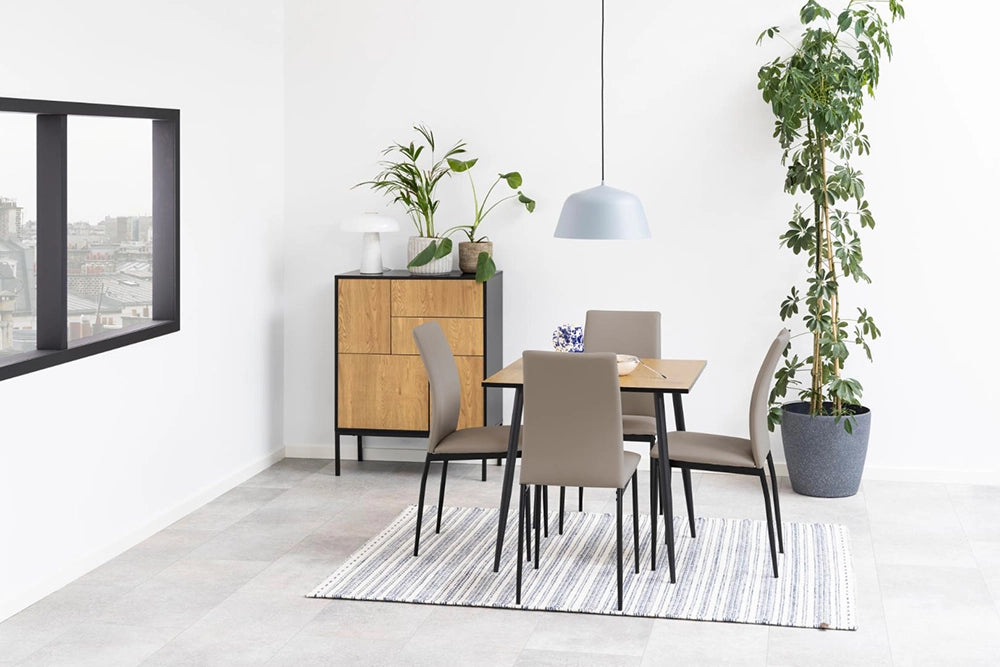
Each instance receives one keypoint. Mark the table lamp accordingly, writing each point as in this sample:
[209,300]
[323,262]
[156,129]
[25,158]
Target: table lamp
[371,225]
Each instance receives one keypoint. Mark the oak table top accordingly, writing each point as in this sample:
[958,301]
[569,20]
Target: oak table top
[681,374]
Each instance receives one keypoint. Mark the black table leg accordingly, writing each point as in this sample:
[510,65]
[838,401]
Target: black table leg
[666,498]
[678,412]
[508,471]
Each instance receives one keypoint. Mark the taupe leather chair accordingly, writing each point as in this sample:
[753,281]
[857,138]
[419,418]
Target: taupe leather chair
[446,443]
[573,437]
[634,332]
[744,456]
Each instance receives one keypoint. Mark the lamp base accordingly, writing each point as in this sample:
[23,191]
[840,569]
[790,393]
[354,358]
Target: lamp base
[371,253]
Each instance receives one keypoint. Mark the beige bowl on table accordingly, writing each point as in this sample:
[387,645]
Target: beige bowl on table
[627,363]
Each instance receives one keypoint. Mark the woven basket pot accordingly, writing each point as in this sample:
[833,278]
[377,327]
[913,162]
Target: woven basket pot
[433,267]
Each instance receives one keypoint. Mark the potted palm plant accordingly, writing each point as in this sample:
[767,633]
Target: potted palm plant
[476,254]
[407,181]
[817,94]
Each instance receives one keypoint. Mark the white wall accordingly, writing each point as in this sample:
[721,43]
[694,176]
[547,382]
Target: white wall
[98,453]
[687,131]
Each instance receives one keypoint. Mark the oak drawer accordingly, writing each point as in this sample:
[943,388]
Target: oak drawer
[437,298]
[464,334]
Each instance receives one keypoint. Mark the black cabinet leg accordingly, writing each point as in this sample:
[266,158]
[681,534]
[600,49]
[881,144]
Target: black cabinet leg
[336,455]
[361,449]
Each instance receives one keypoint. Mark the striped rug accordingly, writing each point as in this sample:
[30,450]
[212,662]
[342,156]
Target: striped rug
[723,575]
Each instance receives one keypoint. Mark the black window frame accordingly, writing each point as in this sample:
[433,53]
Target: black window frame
[53,347]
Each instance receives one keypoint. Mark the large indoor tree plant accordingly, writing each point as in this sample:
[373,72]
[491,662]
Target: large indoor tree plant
[817,94]
[411,182]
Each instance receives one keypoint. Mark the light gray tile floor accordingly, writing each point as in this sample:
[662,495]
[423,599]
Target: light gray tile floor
[226,584]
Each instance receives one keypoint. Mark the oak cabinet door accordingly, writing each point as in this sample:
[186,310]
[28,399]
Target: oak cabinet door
[380,391]
[363,324]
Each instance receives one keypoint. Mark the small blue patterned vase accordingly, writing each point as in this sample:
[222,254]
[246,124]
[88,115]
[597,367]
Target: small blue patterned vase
[568,338]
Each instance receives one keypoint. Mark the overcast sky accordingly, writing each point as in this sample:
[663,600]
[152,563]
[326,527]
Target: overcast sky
[110,166]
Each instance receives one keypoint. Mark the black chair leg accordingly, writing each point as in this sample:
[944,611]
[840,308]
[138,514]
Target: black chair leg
[420,504]
[777,507]
[581,498]
[527,522]
[484,470]
[562,507]
[688,497]
[618,534]
[538,522]
[635,517]
[654,502]
[770,522]
[659,486]
[520,538]
[444,480]
[545,510]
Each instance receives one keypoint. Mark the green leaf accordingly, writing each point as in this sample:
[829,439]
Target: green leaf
[527,201]
[458,166]
[844,20]
[513,179]
[485,267]
[443,248]
[425,255]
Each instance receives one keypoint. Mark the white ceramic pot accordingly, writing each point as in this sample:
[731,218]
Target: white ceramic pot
[435,266]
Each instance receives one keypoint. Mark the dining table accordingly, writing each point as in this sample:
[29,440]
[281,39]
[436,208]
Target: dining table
[652,376]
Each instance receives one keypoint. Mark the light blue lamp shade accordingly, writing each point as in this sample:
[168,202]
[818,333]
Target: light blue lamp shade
[602,213]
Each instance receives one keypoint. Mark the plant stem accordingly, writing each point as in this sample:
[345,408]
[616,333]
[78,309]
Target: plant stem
[834,298]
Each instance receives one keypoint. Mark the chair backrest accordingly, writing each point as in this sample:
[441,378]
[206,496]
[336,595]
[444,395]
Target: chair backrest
[760,439]
[572,420]
[625,332]
[446,392]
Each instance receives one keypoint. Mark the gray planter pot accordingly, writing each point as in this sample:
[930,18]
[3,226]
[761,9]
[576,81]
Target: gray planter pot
[824,460]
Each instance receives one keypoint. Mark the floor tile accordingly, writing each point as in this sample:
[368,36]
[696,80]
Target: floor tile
[978,509]
[311,651]
[392,621]
[939,615]
[705,643]
[540,658]
[987,556]
[248,627]
[181,594]
[228,508]
[100,645]
[590,633]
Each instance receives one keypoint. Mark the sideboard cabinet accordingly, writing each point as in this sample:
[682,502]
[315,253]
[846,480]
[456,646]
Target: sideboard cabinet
[381,385]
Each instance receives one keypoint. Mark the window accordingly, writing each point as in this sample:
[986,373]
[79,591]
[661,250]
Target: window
[89,226]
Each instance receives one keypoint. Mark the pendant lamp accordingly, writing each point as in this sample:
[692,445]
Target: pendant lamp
[602,212]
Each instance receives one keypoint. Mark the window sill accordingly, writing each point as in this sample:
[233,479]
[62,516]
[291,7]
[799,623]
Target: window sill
[28,362]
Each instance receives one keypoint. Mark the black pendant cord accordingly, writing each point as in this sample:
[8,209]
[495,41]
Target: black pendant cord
[602,92]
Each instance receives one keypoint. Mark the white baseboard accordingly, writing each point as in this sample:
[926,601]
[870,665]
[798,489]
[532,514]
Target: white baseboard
[88,562]
[935,475]
[381,452]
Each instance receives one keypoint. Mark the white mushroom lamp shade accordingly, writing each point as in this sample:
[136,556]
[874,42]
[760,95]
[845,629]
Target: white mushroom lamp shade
[371,225]
[602,212]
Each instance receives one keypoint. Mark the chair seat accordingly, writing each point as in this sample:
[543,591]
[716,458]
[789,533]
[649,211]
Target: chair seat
[479,440]
[723,450]
[638,425]
[559,477]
